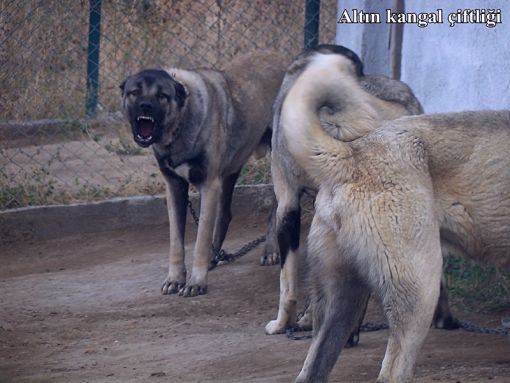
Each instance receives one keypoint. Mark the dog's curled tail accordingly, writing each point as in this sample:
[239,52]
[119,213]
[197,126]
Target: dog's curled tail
[328,81]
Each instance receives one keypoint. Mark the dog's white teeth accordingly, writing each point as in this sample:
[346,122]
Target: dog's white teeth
[146,118]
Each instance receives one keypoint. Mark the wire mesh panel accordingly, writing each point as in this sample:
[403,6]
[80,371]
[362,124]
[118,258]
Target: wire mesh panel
[50,150]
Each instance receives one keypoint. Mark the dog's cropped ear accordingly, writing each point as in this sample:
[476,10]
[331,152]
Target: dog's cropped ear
[122,85]
[180,94]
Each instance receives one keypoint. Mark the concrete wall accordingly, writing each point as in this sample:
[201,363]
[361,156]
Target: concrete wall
[49,222]
[369,41]
[465,67]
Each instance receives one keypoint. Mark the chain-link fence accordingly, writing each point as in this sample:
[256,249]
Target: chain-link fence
[50,151]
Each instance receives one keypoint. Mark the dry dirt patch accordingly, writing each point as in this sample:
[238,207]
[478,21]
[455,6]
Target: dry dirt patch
[88,309]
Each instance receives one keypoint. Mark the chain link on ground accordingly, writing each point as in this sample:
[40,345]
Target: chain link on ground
[365,327]
[221,257]
[471,327]
[370,327]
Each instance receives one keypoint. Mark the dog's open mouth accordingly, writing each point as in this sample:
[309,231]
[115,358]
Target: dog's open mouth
[145,129]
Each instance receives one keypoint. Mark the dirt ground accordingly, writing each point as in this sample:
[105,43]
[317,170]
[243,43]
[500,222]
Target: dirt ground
[88,309]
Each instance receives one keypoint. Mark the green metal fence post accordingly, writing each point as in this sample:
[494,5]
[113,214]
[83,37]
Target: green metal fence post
[93,57]
[312,15]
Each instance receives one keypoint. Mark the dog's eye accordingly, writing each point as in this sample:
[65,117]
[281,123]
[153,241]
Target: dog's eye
[162,97]
[134,92]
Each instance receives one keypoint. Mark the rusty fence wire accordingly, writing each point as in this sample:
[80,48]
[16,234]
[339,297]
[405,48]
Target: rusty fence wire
[59,143]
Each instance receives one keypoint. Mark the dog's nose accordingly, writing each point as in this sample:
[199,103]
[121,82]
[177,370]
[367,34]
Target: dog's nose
[145,106]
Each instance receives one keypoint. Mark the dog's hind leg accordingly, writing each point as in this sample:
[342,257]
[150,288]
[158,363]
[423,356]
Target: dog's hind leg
[224,213]
[354,337]
[339,298]
[443,317]
[288,239]
[288,222]
[409,298]
[271,252]
[458,237]
[305,324]
[176,199]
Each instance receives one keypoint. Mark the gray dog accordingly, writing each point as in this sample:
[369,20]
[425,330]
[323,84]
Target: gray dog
[391,99]
[203,126]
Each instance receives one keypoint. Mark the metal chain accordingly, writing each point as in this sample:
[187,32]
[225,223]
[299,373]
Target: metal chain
[221,257]
[369,327]
[290,334]
[471,327]
[193,212]
[365,327]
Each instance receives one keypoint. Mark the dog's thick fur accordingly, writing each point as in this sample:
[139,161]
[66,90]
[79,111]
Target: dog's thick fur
[203,125]
[388,202]
[389,98]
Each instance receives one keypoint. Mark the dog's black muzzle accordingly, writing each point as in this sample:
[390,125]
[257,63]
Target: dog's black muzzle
[146,123]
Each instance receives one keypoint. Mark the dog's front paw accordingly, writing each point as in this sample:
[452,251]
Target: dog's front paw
[270,259]
[192,290]
[171,286]
[275,327]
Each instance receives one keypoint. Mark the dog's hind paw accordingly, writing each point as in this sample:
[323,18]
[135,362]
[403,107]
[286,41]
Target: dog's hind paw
[447,323]
[353,340]
[305,321]
[270,259]
[192,290]
[171,287]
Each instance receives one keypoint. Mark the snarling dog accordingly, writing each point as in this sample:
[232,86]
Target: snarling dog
[203,125]
[388,202]
[389,98]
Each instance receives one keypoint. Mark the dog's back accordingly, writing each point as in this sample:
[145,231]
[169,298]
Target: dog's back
[398,99]
[470,170]
[390,99]
[253,80]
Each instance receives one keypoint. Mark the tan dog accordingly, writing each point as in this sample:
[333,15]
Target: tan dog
[388,202]
[203,125]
